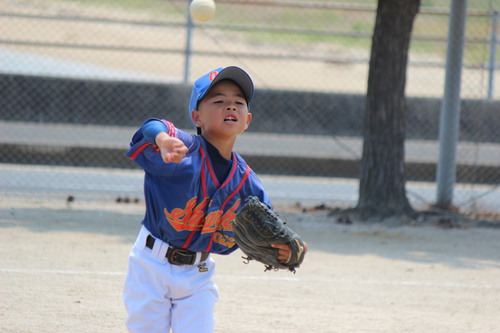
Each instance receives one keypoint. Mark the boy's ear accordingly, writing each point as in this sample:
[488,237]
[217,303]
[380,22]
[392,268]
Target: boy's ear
[196,117]
[249,120]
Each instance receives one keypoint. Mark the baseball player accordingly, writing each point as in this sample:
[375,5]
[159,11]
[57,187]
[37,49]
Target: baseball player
[194,185]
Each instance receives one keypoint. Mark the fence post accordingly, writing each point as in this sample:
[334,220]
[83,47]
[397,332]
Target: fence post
[493,50]
[450,105]
[187,52]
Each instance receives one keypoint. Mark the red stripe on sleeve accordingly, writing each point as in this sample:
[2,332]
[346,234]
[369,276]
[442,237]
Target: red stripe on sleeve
[171,130]
[139,150]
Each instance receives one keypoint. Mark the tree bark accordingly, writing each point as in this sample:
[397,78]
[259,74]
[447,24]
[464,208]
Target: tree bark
[382,190]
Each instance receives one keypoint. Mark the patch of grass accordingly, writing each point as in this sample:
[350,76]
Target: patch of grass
[321,20]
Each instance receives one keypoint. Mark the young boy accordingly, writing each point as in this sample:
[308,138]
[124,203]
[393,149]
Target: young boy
[194,186]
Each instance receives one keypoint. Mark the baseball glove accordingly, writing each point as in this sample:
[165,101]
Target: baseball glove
[256,227]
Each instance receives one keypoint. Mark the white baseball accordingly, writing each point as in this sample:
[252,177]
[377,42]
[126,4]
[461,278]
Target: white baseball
[202,10]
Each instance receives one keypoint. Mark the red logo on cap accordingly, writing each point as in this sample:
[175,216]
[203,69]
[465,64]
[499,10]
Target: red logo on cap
[213,75]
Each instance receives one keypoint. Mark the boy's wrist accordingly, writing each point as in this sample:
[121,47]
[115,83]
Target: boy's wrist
[160,137]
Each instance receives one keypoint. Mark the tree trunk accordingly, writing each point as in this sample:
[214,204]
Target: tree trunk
[382,190]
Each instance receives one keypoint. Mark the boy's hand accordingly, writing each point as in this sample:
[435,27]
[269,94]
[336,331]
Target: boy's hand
[172,149]
[285,252]
[263,236]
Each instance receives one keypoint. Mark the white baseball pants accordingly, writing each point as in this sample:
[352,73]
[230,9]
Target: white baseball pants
[160,297]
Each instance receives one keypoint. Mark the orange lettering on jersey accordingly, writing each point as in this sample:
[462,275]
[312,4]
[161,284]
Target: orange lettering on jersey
[218,221]
[193,218]
[190,218]
[224,240]
[211,222]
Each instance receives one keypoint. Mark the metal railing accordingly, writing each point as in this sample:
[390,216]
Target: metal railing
[185,47]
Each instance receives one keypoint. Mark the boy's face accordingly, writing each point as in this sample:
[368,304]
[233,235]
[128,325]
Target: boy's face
[223,112]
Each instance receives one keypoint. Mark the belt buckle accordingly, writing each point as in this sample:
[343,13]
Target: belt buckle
[177,256]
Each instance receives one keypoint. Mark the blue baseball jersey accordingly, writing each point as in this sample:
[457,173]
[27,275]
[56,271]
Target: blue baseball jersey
[186,206]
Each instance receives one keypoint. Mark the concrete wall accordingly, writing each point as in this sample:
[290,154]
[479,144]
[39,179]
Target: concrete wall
[54,100]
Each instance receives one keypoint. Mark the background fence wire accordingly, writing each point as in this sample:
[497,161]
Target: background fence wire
[78,77]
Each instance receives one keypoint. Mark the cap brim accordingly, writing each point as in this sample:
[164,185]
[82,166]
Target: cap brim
[239,76]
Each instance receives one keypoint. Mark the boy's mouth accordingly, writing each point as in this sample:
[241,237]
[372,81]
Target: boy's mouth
[230,119]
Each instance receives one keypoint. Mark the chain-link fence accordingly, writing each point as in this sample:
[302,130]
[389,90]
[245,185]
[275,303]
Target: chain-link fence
[78,77]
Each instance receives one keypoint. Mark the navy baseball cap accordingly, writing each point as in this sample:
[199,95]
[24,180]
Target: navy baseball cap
[207,81]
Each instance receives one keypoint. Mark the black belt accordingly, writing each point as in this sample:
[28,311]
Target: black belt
[178,256]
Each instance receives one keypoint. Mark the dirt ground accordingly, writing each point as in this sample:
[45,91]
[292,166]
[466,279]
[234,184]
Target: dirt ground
[62,268]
